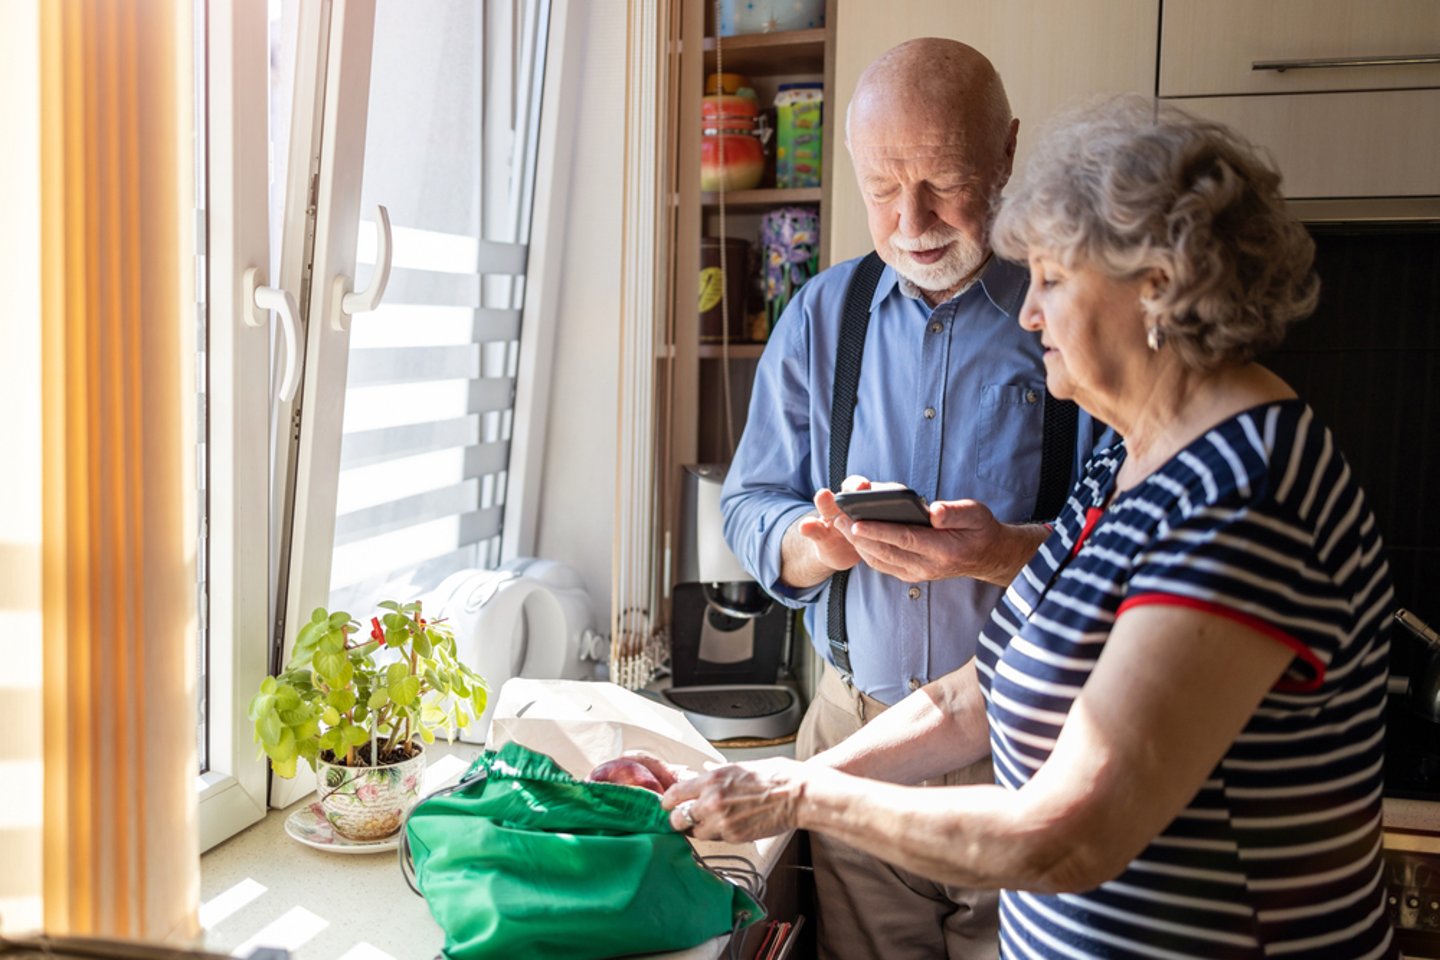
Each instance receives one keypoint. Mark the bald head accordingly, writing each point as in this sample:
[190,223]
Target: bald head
[930,93]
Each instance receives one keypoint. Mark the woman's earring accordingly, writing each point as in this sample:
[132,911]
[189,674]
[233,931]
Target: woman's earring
[1154,337]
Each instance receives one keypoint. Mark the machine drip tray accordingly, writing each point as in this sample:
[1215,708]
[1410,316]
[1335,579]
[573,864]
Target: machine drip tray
[729,711]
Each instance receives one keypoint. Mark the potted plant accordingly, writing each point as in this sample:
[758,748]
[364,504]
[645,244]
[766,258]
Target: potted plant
[360,708]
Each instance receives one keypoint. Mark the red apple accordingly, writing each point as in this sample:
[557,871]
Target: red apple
[632,773]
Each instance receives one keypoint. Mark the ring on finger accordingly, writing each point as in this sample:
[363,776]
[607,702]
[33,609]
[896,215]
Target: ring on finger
[687,811]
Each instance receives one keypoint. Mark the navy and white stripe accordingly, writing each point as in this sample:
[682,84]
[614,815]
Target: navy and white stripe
[1278,855]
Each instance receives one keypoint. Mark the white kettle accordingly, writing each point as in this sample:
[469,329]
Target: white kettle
[529,618]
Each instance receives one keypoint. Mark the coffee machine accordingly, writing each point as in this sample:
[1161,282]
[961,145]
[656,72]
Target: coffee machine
[730,642]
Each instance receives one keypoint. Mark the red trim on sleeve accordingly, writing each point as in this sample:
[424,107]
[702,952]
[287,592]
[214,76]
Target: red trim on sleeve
[1092,517]
[1285,684]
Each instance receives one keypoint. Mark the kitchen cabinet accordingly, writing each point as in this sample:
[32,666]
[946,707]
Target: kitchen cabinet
[1359,126]
[1211,47]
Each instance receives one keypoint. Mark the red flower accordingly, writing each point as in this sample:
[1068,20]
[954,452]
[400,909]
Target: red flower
[376,632]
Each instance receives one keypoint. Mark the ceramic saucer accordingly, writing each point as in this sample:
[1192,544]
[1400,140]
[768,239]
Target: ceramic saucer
[309,826]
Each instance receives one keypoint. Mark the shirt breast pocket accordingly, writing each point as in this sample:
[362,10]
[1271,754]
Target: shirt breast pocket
[1010,436]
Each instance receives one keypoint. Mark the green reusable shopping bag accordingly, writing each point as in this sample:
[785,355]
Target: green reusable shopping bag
[521,860]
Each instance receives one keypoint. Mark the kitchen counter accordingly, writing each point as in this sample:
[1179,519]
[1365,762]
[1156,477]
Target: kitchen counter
[261,888]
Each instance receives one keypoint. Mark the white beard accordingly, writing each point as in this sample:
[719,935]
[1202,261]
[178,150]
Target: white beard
[963,258]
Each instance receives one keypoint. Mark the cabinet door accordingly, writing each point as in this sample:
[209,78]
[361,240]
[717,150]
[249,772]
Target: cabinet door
[1368,144]
[1048,54]
[1210,47]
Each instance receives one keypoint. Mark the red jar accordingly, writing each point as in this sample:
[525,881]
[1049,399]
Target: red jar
[727,126]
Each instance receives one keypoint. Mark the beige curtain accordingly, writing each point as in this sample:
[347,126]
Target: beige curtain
[117,264]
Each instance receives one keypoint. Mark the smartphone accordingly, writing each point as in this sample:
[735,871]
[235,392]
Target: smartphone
[901,505]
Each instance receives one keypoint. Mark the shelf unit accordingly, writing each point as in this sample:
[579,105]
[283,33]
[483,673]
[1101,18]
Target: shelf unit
[692,376]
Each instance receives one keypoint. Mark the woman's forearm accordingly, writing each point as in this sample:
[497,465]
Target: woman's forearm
[939,728]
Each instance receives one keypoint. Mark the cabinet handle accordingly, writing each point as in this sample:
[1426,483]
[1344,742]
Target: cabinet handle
[1280,66]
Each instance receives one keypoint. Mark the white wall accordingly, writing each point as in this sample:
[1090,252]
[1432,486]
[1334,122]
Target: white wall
[576,515]
[20,633]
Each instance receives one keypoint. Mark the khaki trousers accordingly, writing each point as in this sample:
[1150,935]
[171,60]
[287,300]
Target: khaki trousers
[868,908]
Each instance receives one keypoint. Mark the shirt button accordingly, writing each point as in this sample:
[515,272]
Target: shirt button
[929,413]
[1032,396]
[914,684]
[936,327]
[913,593]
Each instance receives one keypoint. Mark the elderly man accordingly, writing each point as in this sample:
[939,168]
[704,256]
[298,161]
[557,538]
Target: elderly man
[926,380]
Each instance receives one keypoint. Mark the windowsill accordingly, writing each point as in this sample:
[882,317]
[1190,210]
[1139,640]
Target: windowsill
[261,888]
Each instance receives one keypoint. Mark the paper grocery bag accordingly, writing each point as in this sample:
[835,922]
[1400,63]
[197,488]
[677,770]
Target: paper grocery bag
[582,723]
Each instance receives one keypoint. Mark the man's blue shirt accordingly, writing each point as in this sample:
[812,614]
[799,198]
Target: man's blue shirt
[950,403]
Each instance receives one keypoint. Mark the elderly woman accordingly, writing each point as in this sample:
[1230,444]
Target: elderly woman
[1184,689]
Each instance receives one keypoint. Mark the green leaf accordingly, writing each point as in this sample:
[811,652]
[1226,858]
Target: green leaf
[339,619]
[345,675]
[427,735]
[395,638]
[332,641]
[306,731]
[341,700]
[270,729]
[405,692]
[268,685]
[411,608]
[329,665]
[331,716]
[395,673]
[478,699]
[354,736]
[462,719]
[379,698]
[330,739]
[261,705]
[287,697]
[284,768]
[388,605]
[422,645]
[319,615]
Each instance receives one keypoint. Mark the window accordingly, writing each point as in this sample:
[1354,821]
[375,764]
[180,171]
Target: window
[388,466]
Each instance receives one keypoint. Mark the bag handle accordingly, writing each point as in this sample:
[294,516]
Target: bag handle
[407,862]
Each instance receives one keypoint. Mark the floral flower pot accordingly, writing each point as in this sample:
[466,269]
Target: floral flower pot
[369,803]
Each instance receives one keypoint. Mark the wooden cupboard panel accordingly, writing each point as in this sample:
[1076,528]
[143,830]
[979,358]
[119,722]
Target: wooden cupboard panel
[1049,54]
[1374,144]
[1207,46]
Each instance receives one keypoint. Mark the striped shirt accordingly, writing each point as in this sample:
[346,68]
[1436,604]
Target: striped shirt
[1278,854]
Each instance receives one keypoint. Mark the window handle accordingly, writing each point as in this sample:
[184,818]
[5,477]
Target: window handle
[345,304]
[260,298]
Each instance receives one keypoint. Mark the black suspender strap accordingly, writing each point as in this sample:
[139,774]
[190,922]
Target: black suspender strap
[849,351]
[1057,458]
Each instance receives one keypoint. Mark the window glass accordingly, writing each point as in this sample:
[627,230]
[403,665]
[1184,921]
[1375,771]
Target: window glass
[453,110]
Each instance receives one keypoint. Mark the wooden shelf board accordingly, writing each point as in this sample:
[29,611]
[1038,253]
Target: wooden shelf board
[787,52]
[738,351]
[735,199]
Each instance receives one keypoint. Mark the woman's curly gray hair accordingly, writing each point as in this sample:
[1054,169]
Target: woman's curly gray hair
[1131,184]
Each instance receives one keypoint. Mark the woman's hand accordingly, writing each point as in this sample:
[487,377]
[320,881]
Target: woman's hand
[739,802]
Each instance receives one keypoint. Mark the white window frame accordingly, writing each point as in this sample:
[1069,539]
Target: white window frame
[232,790]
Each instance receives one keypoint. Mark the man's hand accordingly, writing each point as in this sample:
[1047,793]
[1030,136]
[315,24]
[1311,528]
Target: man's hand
[963,540]
[816,546]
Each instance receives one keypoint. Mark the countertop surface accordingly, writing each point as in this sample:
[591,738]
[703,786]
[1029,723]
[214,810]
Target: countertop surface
[261,888]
